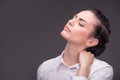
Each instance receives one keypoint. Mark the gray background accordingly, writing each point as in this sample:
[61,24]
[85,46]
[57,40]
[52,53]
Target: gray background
[30,33]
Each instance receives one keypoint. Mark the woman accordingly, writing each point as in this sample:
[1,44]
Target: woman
[87,34]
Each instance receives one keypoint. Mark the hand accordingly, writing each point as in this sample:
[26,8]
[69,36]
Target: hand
[85,61]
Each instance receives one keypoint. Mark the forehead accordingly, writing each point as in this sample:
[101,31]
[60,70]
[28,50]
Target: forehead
[89,17]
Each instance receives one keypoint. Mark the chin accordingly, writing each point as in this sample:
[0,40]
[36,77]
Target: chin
[63,35]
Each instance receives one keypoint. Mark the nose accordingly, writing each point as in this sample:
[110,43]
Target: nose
[71,22]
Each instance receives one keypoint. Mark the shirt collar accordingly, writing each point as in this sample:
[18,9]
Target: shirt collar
[62,63]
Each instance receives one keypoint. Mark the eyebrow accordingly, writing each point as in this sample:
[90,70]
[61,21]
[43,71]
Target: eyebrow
[80,19]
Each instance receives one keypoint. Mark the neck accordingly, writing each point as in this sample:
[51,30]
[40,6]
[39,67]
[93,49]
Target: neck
[71,54]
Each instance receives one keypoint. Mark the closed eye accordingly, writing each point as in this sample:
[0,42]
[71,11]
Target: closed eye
[81,25]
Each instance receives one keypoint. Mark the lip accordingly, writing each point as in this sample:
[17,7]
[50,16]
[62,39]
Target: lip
[66,28]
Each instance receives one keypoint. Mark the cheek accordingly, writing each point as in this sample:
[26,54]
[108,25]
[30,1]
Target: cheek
[81,34]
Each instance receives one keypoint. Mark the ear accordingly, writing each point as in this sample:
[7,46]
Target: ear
[92,42]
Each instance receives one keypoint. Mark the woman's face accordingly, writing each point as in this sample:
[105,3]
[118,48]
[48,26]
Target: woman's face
[79,28]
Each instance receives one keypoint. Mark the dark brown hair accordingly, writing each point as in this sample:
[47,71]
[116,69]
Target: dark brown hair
[102,32]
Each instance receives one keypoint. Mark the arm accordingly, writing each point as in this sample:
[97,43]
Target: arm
[85,61]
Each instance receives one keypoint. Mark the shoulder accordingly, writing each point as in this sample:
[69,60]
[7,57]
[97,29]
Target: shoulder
[101,68]
[51,62]
[49,65]
[99,65]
